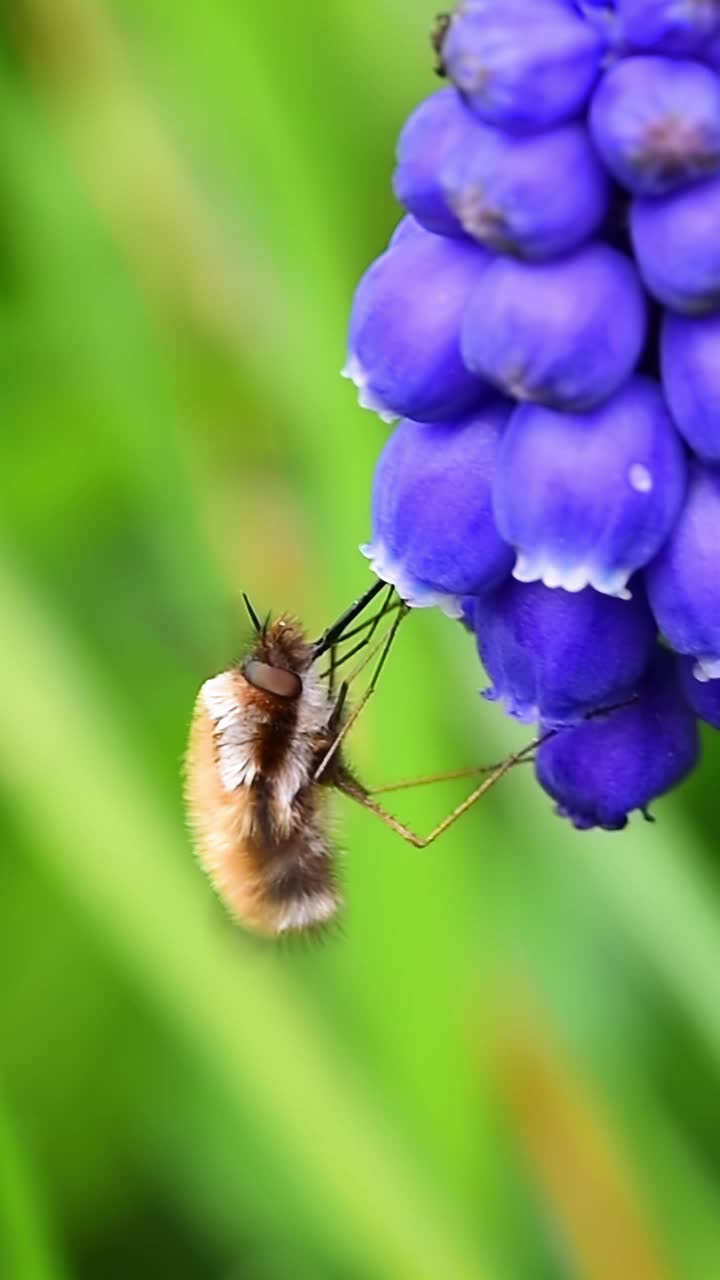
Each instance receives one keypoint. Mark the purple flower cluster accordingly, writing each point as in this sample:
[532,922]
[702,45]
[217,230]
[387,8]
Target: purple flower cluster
[546,320]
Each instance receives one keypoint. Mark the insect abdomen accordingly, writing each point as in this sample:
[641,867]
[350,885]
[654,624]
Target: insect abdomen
[269,861]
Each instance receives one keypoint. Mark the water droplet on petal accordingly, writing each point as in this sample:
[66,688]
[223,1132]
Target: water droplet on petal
[640,478]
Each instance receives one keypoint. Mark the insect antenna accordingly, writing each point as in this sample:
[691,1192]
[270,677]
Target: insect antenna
[253,616]
[362,626]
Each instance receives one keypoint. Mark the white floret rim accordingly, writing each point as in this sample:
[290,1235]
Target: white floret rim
[541,567]
[367,399]
[419,595]
[706,669]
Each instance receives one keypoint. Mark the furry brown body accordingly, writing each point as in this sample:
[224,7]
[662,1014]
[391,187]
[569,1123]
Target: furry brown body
[258,815]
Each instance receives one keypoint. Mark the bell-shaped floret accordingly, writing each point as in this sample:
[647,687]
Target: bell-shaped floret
[404,344]
[601,770]
[523,64]
[433,531]
[677,246]
[565,333]
[656,123]
[587,499]
[555,655]
[438,125]
[505,192]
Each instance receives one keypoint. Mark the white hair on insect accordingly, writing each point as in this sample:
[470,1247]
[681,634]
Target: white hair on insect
[306,911]
[235,731]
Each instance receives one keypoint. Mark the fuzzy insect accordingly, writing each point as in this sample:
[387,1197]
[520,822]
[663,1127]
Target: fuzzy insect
[265,748]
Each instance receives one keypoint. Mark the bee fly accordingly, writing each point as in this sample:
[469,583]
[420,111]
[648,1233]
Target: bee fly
[266,747]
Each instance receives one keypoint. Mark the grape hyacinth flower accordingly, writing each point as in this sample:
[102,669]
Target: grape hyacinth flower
[540,331]
[678,247]
[602,769]
[433,532]
[520,65]
[546,320]
[458,176]
[587,499]
[438,126]
[656,123]
[555,656]
[404,353]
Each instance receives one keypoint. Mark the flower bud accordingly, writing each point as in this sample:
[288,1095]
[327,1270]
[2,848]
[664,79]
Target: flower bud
[677,246]
[522,64]
[656,123]
[683,582]
[565,333]
[404,345]
[554,656]
[601,770]
[587,499]
[433,532]
[504,189]
[427,139]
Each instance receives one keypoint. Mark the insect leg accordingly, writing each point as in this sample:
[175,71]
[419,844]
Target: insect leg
[336,713]
[334,632]
[384,646]
[525,756]
[332,669]
[352,789]
[369,622]
[451,775]
[371,625]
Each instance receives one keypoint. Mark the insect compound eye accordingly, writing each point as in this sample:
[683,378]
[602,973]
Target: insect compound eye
[284,684]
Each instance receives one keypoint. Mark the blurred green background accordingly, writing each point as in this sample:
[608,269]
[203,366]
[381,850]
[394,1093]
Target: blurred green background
[507,1065]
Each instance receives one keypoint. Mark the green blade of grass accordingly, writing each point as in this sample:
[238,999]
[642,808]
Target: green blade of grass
[26,1249]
